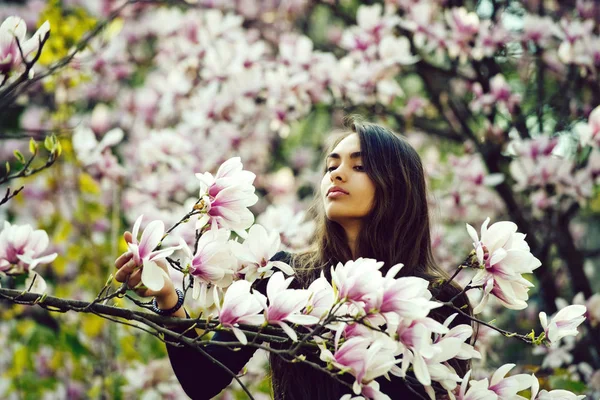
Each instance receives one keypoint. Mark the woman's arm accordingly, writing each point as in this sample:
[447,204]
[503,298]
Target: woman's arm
[198,375]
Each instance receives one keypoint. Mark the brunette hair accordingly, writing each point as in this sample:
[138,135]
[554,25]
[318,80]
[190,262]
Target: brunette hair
[397,229]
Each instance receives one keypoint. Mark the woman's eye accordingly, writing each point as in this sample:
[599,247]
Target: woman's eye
[329,169]
[359,168]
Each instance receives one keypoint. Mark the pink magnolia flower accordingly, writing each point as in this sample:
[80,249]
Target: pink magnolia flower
[590,133]
[538,29]
[507,388]
[256,252]
[417,345]
[21,248]
[564,323]
[357,279]
[558,394]
[321,299]
[285,305]
[504,256]
[143,252]
[87,149]
[478,390]
[213,263]
[429,356]
[240,306]
[13,29]
[230,192]
[405,297]
[365,360]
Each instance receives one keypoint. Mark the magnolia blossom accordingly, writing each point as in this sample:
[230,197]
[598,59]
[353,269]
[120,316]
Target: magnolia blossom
[13,30]
[322,299]
[504,256]
[428,355]
[285,305]
[478,390]
[143,252]
[213,263]
[365,360]
[507,388]
[88,149]
[590,133]
[230,192]
[558,394]
[405,297]
[564,323]
[240,306]
[355,280]
[256,252]
[21,250]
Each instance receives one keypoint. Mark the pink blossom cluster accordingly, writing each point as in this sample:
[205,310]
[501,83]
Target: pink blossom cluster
[21,250]
[503,256]
[500,96]
[411,338]
[456,32]
[471,190]
[13,31]
[375,56]
[499,386]
[539,164]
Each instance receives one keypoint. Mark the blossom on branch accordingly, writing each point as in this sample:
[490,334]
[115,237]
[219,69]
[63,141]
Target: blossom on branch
[144,253]
[21,250]
[230,193]
[240,306]
[212,264]
[558,394]
[256,252]
[12,35]
[564,323]
[285,305]
[504,256]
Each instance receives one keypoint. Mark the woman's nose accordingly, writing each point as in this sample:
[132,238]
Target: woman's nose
[336,175]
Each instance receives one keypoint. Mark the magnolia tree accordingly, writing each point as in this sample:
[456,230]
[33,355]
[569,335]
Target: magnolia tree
[500,98]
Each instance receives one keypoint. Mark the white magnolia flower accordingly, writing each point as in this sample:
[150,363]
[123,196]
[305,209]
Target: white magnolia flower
[229,193]
[551,395]
[14,29]
[256,252]
[212,264]
[505,256]
[564,323]
[87,149]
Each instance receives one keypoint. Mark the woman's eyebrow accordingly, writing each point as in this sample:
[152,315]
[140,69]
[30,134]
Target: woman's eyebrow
[356,154]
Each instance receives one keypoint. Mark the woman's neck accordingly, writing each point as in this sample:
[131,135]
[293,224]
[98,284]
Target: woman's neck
[352,228]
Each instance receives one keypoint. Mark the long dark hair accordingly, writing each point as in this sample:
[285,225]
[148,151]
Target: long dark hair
[397,230]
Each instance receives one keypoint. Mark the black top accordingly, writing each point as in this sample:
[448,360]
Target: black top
[202,379]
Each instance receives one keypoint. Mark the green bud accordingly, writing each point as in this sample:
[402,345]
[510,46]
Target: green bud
[33,146]
[19,156]
[48,143]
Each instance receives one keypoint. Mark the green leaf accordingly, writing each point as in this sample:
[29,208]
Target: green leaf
[19,156]
[48,143]
[33,146]
[7,168]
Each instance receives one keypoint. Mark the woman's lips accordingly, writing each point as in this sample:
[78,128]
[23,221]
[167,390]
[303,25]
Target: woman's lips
[335,194]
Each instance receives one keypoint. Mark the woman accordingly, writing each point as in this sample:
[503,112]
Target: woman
[372,203]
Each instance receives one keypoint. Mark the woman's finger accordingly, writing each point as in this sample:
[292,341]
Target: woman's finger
[128,237]
[134,279]
[125,271]
[123,258]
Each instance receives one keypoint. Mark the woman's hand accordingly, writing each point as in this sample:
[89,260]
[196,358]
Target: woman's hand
[128,269]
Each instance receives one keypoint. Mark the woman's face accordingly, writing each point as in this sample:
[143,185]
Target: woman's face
[346,189]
